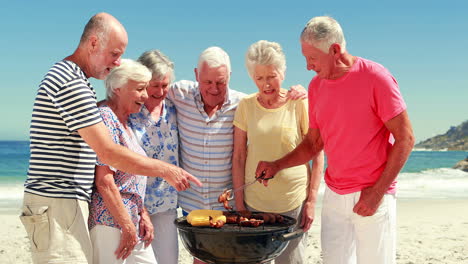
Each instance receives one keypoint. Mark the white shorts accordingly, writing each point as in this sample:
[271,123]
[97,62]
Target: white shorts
[106,241]
[165,243]
[348,238]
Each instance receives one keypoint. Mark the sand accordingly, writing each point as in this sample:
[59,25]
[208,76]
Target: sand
[429,231]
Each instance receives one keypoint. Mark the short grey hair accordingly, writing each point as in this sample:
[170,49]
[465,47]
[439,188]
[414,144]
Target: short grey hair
[214,57]
[266,53]
[128,70]
[99,25]
[159,64]
[323,31]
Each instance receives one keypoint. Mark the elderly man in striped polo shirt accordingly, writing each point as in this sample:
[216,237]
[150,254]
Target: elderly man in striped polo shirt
[66,133]
[205,111]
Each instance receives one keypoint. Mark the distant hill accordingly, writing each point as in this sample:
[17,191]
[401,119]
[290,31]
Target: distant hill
[456,138]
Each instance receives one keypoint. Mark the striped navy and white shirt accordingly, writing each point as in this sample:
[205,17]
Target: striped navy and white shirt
[205,144]
[61,163]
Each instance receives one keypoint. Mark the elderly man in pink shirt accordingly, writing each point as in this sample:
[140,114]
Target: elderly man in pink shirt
[358,116]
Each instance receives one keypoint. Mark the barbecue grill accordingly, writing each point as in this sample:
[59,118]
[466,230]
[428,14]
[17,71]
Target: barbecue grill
[237,244]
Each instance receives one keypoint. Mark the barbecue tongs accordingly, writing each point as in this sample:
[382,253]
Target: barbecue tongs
[231,191]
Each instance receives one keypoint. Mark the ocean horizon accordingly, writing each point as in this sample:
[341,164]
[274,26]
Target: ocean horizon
[427,174]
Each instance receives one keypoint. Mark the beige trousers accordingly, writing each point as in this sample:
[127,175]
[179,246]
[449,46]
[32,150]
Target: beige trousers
[57,229]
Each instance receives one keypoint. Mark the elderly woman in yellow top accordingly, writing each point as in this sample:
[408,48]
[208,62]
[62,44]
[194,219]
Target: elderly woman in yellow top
[267,126]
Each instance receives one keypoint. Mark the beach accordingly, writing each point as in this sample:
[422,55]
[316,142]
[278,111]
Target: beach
[429,231]
[432,214]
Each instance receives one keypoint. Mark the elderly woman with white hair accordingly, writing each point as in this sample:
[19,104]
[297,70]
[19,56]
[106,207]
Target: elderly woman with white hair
[155,127]
[267,126]
[119,225]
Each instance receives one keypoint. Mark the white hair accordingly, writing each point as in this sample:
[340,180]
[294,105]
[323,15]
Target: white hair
[322,32]
[128,70]
[159,64]
[266,53]
[214,57]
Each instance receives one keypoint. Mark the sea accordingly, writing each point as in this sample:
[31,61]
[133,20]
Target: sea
[427,174]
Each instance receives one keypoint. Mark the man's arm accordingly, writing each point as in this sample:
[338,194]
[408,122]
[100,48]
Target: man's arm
[309,148]
[400,127]
[308,209]
[112,154]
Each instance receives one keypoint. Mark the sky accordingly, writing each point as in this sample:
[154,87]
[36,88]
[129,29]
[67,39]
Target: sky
[424,44]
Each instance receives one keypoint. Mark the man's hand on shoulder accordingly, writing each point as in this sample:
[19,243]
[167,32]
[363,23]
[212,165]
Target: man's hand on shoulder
[297,92]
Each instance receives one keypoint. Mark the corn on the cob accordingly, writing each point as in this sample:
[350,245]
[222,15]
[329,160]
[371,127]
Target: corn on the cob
[202,217]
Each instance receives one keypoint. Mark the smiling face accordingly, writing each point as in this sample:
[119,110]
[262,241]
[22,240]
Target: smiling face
[157,89]
[268,80]
[131,96]
[213,84]
[106,55]
[318,61]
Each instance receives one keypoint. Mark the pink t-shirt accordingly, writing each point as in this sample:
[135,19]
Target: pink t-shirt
[350,113]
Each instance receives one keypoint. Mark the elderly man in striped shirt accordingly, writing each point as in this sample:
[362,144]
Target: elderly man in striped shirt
[205,111]
[66,133]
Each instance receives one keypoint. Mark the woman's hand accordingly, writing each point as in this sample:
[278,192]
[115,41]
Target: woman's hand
[128,240]
[146,228]
[308,215]
[105,184]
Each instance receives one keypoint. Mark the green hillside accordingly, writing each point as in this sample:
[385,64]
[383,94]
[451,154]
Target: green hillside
[456,138]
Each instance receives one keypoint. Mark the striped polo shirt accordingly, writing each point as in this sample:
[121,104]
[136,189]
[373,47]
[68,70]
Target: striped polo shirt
[205,144]
[61,163]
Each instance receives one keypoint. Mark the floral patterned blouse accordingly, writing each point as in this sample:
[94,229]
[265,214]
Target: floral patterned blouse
[131,187]
[159,139]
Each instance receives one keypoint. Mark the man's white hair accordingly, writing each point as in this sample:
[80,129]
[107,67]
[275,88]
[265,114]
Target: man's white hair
[322,32]
[265,53]
[128,70]
[214,57]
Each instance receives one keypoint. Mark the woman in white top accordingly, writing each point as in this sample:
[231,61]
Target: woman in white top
[155,127]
